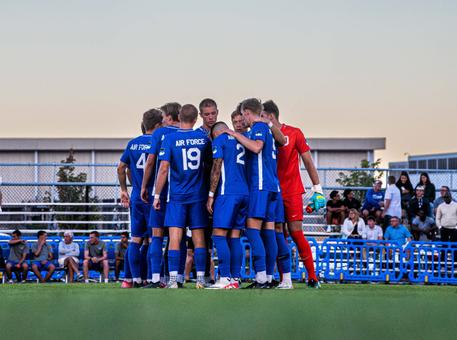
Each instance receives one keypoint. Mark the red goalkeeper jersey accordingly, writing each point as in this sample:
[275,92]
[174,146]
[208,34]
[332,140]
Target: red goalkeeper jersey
[288,161]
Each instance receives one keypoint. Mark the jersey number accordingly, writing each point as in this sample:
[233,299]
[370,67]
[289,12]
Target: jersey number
[191,158]
[239,157]
[141,162]
[274,149]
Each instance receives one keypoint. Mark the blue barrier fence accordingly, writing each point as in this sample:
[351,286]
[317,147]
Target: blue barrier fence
[338,260]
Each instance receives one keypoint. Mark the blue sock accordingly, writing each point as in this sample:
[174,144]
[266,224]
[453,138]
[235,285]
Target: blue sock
[223,255]
[283,253]
[257,249]
[127,272]
[236,257]
[144,262]
[182,256]
[173,260]
[135,259]
[156,254]
[200,259]
[271,250]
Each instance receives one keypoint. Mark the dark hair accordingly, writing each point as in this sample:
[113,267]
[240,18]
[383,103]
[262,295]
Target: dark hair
[271,107]
[17,232]
[172,109]
[371,218]
[446,187]
[126,234]
[408,185]
[143,129]
[252,104]
[346,192]
[207,102]
[188,114]
[217,126]
[151,118]
[95,233]
[391,180]
[40,233]
[426,176]
[235,113]
[333,194]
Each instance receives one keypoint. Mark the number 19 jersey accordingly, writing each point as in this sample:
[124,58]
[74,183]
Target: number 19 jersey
[188,152]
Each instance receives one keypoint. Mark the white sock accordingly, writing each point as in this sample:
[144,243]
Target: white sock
[269,278]
[173,276]
[155,278]
[286,277]
[180,278]
[128,280]
[86,281]
[106,281]
[261,277]
[137,280]
[200,276]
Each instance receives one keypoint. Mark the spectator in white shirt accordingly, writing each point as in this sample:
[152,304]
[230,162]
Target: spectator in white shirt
[392,201]
[69,256]
[372,231]
[353,225]
[446,220]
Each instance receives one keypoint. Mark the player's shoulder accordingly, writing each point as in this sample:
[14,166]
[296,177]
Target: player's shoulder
[291,129]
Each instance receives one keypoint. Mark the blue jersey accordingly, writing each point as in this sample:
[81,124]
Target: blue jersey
[206,132]
[156,143]
[135,157]
[189,153]
[262,171]
[233,172]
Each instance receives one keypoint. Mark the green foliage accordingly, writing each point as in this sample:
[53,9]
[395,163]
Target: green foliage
[361,178]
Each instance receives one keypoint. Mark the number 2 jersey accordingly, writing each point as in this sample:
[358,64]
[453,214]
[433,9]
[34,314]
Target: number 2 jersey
[135,157]
[189,154]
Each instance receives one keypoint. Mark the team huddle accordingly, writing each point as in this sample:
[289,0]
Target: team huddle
[220,184]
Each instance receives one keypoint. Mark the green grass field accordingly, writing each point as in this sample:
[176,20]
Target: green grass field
[333,312]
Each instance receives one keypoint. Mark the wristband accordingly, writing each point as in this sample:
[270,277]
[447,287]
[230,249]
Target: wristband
[211,194]
[156,197]
[317,188]
[270,124]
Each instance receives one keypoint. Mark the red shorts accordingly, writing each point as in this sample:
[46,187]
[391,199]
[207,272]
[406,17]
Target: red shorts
[293,208]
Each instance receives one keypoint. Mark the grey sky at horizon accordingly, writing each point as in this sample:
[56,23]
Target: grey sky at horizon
[352,69]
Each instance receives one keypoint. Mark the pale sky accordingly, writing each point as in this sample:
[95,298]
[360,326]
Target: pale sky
[335,68]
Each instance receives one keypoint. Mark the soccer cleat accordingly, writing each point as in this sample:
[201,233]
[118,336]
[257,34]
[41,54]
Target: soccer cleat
[274,284]
[153,285]
[181,285]
[236,284]
[285,285]
[223,283]
[172,285]
[200,285]
[256,285]
[314,284]
[10,282]
[126,285]
[137,285]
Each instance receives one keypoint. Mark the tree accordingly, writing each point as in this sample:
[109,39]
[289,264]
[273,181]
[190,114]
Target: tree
[361,178]
[74,194]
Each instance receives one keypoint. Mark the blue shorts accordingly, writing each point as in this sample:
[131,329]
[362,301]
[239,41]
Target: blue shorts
[182,215]
[230,211]
[262,205]
[157,217]
[279,213]
[42,267]
[139,218]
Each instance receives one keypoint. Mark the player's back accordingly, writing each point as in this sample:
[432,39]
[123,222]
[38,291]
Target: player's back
[135,157]
[233,171]
[288,160]
[262,172]
[188,152]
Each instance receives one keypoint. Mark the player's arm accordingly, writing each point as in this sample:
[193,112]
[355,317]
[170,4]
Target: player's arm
[86,255]
[277,135]
[215,176]
[147,174]
[252,145]
[160,182]
[122,176]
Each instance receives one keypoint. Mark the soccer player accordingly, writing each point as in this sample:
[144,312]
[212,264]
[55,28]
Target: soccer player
[184,156]
[157,217]
[208,113]
[264,188]
[134,160]
[292,186]
[229,193]
[238,122]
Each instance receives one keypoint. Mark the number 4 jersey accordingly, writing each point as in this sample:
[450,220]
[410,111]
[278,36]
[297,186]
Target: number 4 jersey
[135,157]
[189,155]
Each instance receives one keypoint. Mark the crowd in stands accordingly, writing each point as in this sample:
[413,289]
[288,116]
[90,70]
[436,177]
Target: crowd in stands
[399,212]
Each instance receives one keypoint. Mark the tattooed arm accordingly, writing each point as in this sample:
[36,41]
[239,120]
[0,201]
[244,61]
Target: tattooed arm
[215,176]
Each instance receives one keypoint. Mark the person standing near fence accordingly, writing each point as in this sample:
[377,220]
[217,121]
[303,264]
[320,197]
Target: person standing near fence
[446,220]
[392,201]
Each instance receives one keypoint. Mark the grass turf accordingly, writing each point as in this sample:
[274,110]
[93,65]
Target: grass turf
[333,312]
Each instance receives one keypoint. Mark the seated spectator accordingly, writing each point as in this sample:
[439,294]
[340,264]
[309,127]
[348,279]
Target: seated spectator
[42,257]
[374,201]
[69,256]
[392,201]
[19,250]
[419,202]
[397,232]
[444,190]
[446,220]
[406,190]
[95,257]
[335,209]
[423,227]
[429,187]
[353,226]
[372,231]
[350,202]
[121,249]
